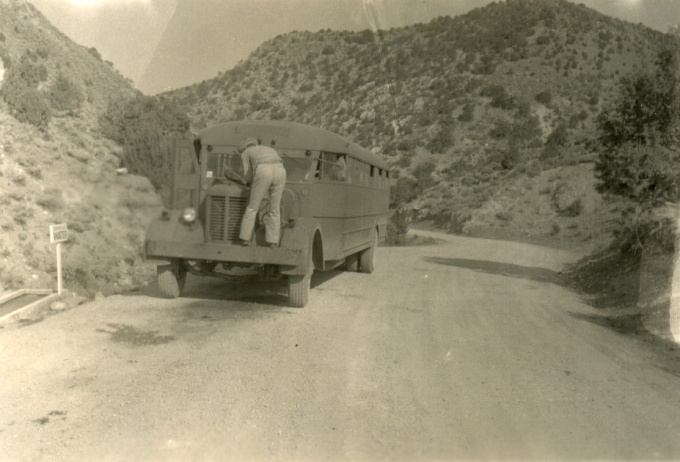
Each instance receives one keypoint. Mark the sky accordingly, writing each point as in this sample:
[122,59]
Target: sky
[129,32]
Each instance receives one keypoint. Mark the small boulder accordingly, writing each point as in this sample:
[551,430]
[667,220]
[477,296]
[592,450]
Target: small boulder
[58,306]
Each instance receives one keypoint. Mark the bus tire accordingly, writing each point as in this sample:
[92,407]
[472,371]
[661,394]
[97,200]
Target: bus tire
[300,284]
[367,257]
[298,290]
[171,280]
[352,262]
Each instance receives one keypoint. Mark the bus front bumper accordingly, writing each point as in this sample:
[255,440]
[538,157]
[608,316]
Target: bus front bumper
[160,250]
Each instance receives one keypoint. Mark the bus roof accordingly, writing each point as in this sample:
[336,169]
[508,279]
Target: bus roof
[287,135]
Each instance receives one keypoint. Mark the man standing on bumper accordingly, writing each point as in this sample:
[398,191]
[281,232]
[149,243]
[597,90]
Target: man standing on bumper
[264,166]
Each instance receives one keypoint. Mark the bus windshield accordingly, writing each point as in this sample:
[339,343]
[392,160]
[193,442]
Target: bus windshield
[224,165]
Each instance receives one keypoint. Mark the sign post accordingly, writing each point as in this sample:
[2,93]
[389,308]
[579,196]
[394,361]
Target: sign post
[58,234]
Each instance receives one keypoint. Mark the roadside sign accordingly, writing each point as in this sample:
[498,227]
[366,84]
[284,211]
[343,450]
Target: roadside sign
[58,233]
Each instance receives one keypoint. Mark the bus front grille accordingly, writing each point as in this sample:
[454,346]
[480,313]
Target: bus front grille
[216,213]
[224,217]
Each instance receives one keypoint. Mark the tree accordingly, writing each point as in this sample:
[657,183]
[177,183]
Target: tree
[639,158]
[144,125]
[638,136]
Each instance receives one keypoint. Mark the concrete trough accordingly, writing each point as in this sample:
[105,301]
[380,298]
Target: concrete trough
[25,304]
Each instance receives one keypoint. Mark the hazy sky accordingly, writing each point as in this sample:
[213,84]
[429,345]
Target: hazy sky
[127,32]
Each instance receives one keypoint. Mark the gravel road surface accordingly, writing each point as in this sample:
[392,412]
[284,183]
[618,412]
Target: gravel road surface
[470,349]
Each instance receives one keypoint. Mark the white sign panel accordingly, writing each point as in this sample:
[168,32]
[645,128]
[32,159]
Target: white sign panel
[58,233]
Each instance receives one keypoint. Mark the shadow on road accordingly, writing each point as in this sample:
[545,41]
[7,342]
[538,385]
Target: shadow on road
[629,324]
[662,354]
[249,290]
[503,269]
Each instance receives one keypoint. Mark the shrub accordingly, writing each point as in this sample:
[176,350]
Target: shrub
[94,52]
[423,174]
[499,97]
[20,92]
[639,155]
[28,105]
[557,140]
[52,199]
[397,226]
[468,113]
[145,126]
[65,95]
[544,97]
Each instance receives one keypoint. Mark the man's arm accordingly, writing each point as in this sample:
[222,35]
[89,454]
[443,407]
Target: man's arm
[247,173]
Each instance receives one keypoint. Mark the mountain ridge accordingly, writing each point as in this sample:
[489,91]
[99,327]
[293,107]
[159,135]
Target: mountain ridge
[463,108]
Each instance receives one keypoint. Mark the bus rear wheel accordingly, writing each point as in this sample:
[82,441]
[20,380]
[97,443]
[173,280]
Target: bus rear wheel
[367,257]
[171,279]
[300,284]
[352,262]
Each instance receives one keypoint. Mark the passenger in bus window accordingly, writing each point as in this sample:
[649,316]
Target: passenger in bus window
[339,170]
[263,165]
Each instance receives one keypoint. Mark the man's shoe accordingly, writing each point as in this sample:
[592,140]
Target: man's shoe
[245,243]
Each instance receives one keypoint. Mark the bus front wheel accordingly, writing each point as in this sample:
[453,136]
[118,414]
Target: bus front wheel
[171,279]
[367,257]
[299,285]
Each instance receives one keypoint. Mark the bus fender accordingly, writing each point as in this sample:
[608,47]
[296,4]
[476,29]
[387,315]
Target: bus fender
[172,227]
[312,243]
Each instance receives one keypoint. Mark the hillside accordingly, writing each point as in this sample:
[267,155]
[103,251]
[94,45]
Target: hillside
[56,168]
[471,112]
[486,119]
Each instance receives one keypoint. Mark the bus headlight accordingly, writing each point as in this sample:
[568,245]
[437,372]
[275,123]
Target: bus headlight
[189,215]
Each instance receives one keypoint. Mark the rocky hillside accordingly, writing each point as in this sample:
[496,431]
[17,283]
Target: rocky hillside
[486,119]
[56,168]
[472,112]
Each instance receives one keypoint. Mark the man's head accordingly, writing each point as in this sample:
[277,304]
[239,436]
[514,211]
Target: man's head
[245,144]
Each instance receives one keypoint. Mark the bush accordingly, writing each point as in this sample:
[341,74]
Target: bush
[544,97]
[94,52]
[65,95]
[468,113]
[499,97]
[557,140]
[20,91]
[403,192]
[145,126]
[647,175]
[28,105]
[397,227]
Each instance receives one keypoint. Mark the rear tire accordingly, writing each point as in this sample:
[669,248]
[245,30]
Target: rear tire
[367,257]
[171,280]
[352,262]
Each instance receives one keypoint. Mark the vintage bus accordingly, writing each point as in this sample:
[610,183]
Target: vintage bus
[334,209]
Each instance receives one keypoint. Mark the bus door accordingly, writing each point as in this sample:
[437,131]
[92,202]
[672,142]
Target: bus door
[185,175]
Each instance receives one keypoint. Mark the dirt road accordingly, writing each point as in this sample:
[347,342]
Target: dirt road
[470,349]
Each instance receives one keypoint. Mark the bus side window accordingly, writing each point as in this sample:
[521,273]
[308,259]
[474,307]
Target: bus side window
[334,167]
